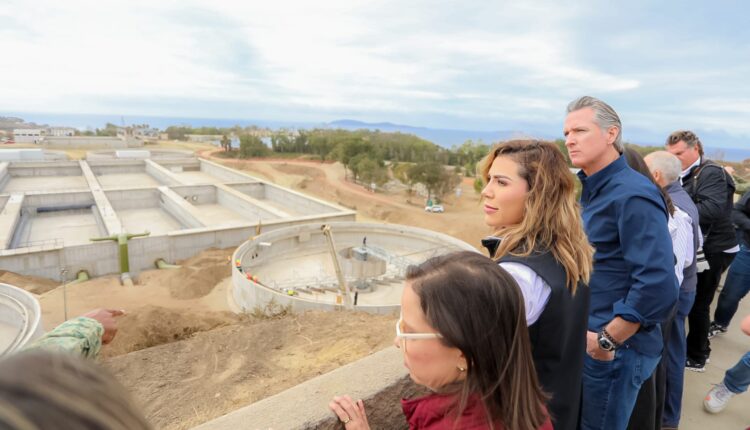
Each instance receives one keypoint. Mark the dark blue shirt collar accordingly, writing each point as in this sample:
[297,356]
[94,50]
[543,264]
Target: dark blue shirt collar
[592,184]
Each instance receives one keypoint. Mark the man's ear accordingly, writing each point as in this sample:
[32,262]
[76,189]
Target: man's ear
[612,133]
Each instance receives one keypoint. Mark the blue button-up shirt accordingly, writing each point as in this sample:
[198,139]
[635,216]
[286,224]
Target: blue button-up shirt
[626,221]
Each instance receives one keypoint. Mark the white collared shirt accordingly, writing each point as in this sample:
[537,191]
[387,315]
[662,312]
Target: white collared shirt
[686,171]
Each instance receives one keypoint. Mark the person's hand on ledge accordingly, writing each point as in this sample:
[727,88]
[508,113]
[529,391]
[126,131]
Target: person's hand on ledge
[350,413]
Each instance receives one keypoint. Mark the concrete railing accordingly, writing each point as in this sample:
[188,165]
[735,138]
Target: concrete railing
[379,379]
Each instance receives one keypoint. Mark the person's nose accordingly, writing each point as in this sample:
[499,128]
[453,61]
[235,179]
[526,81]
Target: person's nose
[486,192]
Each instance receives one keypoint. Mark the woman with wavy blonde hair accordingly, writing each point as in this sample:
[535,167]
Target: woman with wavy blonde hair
[538,237]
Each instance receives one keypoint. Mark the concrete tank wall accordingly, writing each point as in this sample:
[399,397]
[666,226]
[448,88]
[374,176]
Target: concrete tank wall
[133,199]
[224,173]
[71,168]
[59,199]
[101,258]
[20,317]
[301,203]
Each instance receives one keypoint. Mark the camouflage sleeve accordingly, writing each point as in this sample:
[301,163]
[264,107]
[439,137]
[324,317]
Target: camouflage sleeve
[81,336]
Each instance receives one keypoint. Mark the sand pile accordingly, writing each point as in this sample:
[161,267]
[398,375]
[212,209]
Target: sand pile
[182,384]
[155,325]
[33,284]
[198,275]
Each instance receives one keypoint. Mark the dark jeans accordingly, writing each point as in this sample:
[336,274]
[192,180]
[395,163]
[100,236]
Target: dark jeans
[674,359]
[736,286]
[611,387]
[649,406]
[698,346]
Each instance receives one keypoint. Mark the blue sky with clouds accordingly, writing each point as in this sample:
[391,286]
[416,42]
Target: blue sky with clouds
[443,64]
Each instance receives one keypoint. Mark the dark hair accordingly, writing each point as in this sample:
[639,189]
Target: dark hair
[687,136]
[478,308]
[637,163]
[40,390]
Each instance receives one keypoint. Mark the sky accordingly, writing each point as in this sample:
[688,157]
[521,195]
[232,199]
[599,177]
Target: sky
[501,65]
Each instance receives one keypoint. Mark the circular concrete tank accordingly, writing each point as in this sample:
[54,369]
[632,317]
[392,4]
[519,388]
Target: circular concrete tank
[20,317]
[292,268]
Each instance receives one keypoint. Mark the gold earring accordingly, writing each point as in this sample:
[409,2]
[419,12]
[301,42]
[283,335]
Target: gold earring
[461,369]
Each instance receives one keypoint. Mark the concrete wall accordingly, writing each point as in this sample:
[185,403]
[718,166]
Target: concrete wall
[58,199]
[125,166]
[256,190]
[101,258]
[380,379]
[251,210]
[133,199]
[4,175]
[161,174]
[224,173]
[65,168]
[91,141]
[179,209]
[300,202]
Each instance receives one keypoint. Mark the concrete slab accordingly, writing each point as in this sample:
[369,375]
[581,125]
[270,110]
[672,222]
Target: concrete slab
[221,215]
[44,183]
[70,227]
[127,180]
[154,220]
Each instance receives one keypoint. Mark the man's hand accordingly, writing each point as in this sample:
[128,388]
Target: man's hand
[593,349]
[106,318]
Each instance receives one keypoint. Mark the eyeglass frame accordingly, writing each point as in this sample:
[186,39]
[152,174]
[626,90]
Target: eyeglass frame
[405,336]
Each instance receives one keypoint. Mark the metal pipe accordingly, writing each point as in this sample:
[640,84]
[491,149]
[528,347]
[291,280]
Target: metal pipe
[161,264]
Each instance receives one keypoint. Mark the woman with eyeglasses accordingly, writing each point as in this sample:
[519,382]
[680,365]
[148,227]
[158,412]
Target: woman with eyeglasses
[463,335]
[538,237]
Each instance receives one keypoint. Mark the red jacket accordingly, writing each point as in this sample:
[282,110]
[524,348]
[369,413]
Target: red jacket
[429,413]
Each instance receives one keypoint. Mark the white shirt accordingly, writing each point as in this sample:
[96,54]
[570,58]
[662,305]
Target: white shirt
[535,291]
[681,230]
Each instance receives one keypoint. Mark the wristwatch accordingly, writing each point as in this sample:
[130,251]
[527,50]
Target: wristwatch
[607,342]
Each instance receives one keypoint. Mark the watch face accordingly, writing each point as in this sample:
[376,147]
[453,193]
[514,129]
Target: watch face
[605,344]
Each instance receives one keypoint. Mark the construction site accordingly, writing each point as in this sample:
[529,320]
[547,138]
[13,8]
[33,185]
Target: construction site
[243,281]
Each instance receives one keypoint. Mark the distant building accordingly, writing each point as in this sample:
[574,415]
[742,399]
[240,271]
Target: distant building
[61,131]
[29,135]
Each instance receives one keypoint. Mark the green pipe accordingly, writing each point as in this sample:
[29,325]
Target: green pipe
[161,264]
[122,242]
[82,276]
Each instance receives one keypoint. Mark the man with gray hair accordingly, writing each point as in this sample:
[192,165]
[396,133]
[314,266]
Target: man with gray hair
[666,169]
[633,285]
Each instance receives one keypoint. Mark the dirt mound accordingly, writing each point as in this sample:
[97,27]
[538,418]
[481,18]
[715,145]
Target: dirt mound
[154,325]
[199,275]
[182,384]
[33,284]
[296,169]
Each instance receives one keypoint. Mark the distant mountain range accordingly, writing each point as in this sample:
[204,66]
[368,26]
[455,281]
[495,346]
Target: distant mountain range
[443,137]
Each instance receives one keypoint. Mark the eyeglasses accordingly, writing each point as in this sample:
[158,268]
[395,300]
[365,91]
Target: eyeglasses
[404,336]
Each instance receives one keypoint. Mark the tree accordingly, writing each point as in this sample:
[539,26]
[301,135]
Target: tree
[370,171]
[252,146]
